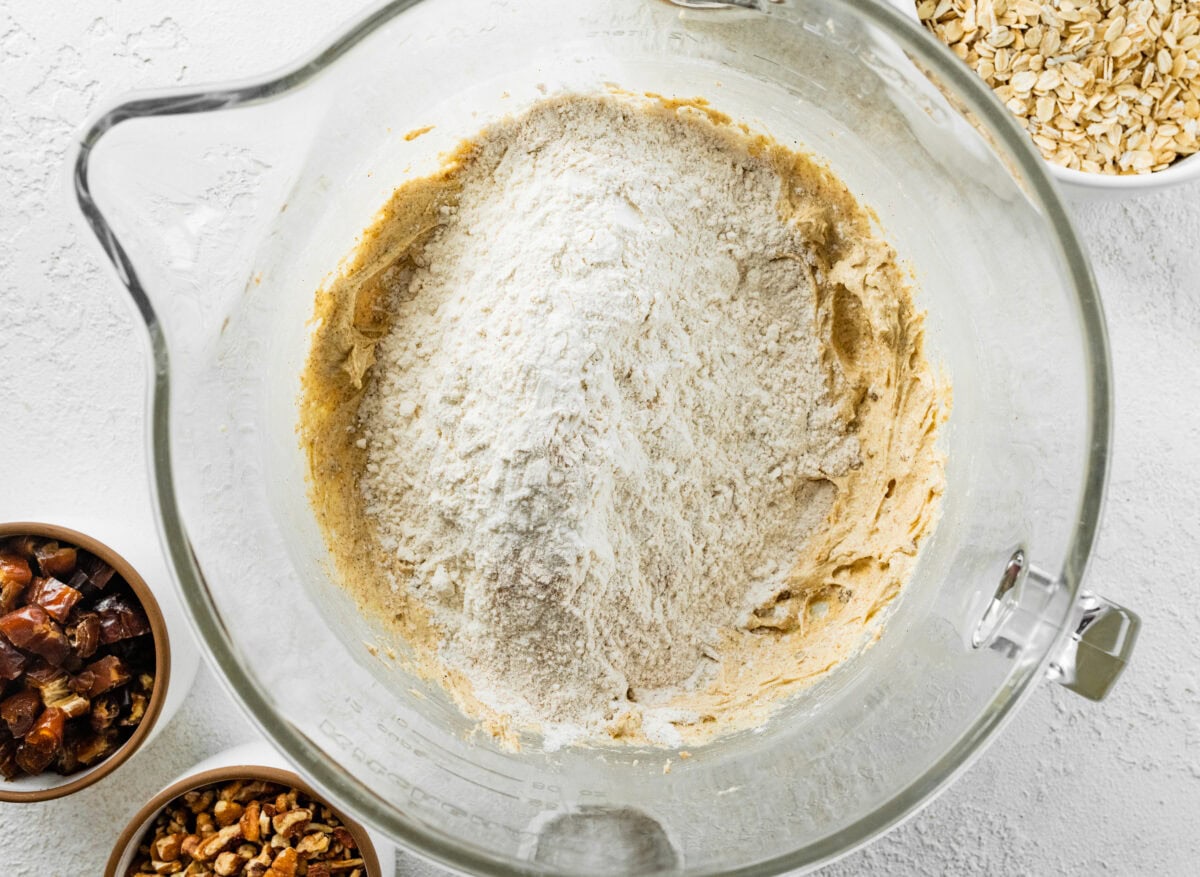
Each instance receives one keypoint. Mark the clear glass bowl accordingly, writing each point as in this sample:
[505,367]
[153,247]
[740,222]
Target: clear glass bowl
[223,209]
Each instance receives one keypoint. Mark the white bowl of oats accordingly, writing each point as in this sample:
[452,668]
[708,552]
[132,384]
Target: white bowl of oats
[1109,91]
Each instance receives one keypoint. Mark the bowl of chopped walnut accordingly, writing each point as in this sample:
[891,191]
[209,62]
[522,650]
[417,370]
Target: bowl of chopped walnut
[1108,92]
[241,814]
[85,661]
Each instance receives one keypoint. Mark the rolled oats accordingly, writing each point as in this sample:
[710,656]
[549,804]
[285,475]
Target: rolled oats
[1105,86]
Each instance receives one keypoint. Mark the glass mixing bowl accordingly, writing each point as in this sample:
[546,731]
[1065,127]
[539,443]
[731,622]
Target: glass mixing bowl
[224,208]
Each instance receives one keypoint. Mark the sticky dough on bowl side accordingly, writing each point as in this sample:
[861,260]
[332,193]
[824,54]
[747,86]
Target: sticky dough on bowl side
[845,573]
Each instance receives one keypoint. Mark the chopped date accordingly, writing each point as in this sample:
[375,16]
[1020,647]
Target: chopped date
[84,635]
[55,691]
[10,596]
[72,705]
[31,629]
[15,576]
[54,559]
[26,546]
[105,710]
[138,651]
[98,572]
[12,662]
[41,745]
[9,769]
[137,710]
[76,669]
[56,597]
[34,757]
[65,761]
[96,746]
[84,683]
[20,711]
[50,726]
[100,676]
[14,569]
[41,675]
[119,619]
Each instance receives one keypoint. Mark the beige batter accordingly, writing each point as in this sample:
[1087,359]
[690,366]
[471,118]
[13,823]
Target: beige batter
[844,573]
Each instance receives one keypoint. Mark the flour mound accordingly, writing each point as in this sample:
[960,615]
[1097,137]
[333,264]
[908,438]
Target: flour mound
[598,430]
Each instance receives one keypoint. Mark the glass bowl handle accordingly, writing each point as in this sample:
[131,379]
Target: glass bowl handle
[1098,648]
[1028,609]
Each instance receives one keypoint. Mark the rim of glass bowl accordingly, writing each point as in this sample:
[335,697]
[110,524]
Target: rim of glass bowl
[326,774]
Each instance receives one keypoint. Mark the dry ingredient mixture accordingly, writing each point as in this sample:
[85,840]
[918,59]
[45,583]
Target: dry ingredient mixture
[247,828]
[1107,86]
[76,658]
[632,409]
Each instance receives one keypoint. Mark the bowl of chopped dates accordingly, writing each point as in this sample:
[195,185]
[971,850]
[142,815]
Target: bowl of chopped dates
[241,813]
[84,661]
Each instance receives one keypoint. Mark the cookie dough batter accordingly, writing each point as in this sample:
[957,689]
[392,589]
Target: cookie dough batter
[623,421]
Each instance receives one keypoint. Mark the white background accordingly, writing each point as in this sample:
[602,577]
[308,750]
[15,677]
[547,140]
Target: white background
[1071,788]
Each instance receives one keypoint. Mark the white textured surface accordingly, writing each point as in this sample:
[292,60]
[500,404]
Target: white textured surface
[1070,788]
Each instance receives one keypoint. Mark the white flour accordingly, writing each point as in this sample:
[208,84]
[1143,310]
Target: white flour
[599,426]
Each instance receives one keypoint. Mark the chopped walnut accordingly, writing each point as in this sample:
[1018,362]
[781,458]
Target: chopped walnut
[226,831]
[227,813]
[168,847]
[217,842]
[198,802]
[227,864]
[313,843]
[260,863]
[284,865]
[291,822]
[205,825]
[249,821]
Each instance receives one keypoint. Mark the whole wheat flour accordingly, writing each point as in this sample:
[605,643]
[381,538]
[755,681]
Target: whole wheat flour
[601,417]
